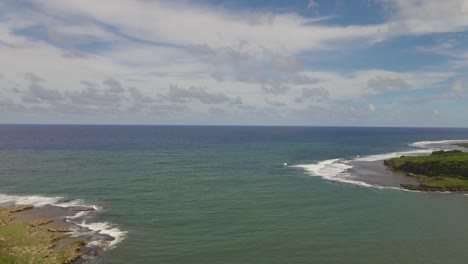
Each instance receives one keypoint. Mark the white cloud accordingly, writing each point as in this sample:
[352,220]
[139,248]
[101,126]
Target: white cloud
[459,86]
[216,56]
[312,4]
[372,107]
[187,24]
[415,17]
[452,93]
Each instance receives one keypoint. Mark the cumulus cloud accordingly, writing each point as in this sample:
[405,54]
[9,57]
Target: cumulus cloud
[300,79]
[9,106]
[218,76]
[114,86]
[455,92]
[93,97]
[444,47]
[139,96]
[356,84]
[36,92]
[275,103]
[255,30]
[320,93]
[199,94]
[312,4]
[33,78]
[219,55]
[74,54]
[459,86]
[285,64]
[258,29]
[312,94]
[388,84]
[415,17]
[275,88]
[64,43]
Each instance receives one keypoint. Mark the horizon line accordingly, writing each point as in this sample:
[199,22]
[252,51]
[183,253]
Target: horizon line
[221,125]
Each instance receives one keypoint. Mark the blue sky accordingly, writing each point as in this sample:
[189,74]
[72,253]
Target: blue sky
[236,62]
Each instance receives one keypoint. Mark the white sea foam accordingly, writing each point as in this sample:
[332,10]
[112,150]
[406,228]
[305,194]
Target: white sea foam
[39,201]
[338,169]
[33,200]
[393,155]
[334,170]
[72,203]
[429,144]
[106,229]
[80,214]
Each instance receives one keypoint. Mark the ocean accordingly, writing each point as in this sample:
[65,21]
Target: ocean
[231,194]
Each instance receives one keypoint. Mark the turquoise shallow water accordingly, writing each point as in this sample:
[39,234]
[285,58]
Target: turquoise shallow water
[222,194]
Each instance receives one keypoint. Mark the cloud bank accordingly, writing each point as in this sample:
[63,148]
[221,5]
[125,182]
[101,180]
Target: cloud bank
[136,61]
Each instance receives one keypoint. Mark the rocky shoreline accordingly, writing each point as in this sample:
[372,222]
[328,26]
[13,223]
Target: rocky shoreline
[422,188]
[46,234]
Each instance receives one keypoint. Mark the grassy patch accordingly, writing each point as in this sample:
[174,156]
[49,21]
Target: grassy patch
[439,184]
[464,145]
[31,242]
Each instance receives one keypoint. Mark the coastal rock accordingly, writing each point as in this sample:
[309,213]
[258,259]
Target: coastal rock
[63,230]
[20,208]
[27,241]
[40,222]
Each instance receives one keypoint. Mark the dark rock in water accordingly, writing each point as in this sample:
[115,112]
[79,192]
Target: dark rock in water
[62,230]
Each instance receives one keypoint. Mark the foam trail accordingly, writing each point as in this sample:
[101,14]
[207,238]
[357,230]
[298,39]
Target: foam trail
[393,155]
[80,214]
[39,201]
[33,200]
[337,169]
[428,144]
[334,170]
[106,229]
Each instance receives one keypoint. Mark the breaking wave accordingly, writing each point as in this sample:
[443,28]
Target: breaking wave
[102,228]
[339,169]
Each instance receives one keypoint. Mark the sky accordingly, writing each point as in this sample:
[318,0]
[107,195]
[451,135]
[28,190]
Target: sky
[235,62]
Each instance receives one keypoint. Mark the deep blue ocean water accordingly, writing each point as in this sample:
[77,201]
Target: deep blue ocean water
[207,194]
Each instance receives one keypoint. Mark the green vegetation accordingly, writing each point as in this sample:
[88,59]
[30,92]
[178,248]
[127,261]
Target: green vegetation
[464,145]
[31,242]
[440,171]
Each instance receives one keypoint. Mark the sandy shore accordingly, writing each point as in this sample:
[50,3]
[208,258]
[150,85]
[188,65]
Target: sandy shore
[377,174]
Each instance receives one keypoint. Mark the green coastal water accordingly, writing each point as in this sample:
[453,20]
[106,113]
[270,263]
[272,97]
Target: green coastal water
[223,195]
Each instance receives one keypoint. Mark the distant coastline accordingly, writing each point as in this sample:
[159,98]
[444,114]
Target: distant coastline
[440,171]
[373,171]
